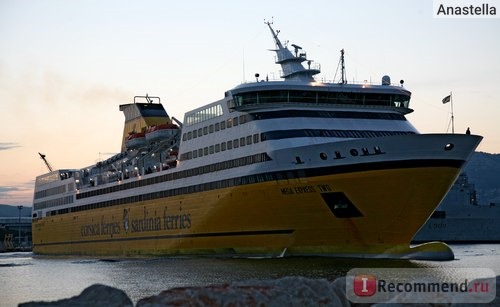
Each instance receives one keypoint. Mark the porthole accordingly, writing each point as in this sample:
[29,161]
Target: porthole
[354,152]
[323,156]
[449,146]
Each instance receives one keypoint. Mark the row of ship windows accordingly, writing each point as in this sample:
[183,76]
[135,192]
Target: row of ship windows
[203,115]
[235,121]
[53,202]
[55,190]
[238,120]
[321,97]
[49,192]
[226,183]
[284,134]
[243,141]
[256,158]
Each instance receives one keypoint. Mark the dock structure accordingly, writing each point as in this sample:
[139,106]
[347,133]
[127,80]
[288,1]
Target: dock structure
[15,233]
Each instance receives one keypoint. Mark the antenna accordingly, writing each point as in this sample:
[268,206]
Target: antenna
[42,156]
[343,78]
[297,48]
[275,34]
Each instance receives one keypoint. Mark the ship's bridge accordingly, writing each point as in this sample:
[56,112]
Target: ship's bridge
[282,93]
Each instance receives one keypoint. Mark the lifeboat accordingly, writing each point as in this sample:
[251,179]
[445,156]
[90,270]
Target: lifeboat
[162,131]
[135,140]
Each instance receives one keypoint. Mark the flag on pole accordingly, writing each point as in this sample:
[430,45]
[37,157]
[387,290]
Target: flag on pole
[447,99]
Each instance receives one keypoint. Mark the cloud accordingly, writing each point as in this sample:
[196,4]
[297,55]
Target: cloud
[13,195]
[7,146]
[7,189]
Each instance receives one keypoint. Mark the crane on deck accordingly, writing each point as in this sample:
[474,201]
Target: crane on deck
[42,156]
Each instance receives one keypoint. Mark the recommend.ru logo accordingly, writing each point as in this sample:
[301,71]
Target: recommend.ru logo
[420,285]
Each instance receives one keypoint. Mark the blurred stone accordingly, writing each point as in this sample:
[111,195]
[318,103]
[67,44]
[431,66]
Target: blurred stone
[96,296]
[287,291]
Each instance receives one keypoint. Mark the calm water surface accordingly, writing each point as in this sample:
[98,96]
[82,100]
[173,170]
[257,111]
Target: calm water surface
[26,277]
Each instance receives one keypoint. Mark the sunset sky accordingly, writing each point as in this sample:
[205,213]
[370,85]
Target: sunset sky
[66,66]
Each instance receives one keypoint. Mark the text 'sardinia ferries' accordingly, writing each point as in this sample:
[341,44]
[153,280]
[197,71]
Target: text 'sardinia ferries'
[290,167]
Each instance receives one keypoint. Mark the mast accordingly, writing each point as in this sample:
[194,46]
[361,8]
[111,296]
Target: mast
[291,66]
[343,79]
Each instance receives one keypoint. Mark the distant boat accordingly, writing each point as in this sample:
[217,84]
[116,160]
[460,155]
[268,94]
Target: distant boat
[460,219]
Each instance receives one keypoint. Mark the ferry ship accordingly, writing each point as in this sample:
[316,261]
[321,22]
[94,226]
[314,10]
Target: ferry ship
[274,168]
[461,218]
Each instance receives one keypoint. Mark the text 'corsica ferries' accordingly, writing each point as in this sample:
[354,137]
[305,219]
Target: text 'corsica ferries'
[275,168]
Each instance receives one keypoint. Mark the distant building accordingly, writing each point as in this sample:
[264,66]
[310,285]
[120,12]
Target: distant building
[15,228]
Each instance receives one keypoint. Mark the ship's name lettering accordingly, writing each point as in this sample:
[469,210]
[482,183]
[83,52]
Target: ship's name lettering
[146,223]
[176,221]
[305,189]
[437,226]
[102,228]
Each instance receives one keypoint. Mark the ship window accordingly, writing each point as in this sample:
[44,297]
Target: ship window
[195,154]
[200,152]
[184,137]
[223,146]
[205,130]
[230,123]
[229,144]
[242,141]
[236,143]
[273,97]
[211,129]
[217,126]
[200,132]
[205,151]
[211,149]
[235,121]
[222,125]
[195,134]
[217,147]
[189,135]
[256,138]
[242,119]
[302,96]
[249,140]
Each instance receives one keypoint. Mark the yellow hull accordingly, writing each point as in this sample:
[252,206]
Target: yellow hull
[289,217]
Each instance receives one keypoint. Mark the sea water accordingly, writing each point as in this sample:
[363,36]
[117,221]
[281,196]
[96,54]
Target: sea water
[27,277]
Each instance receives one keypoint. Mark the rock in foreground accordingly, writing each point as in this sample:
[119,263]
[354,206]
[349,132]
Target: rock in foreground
[95,296]
[287,291]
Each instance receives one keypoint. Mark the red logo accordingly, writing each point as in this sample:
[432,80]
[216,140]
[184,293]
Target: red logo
[365,285]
